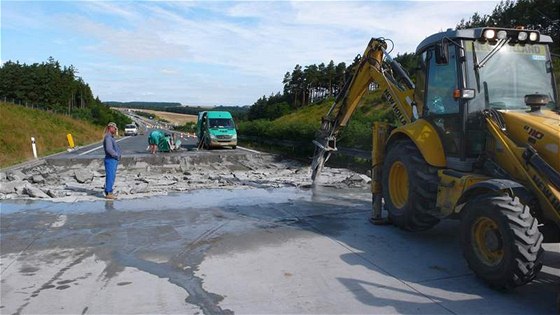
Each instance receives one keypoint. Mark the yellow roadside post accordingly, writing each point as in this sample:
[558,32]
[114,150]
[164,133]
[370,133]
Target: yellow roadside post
[70,141]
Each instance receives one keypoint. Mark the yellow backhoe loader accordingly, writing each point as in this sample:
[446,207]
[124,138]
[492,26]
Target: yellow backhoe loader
[477,139]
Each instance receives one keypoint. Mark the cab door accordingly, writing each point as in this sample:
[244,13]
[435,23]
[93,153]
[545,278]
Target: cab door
[437,81]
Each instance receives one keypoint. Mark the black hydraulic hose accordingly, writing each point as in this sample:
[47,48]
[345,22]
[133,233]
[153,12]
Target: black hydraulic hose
[397,68]
[533,158]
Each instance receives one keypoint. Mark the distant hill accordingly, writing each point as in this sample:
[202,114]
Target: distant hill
[238,112]
[145,105]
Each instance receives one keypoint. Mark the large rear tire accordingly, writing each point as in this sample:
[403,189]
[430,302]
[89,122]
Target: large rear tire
[409,187]
[501,241]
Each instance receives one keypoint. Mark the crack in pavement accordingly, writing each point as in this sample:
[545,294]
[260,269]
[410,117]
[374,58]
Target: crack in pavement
[185,278]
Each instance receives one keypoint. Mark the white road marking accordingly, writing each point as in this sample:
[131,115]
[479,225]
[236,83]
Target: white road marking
[253,151]
[99,147]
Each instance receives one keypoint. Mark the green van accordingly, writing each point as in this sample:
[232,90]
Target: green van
[216,129]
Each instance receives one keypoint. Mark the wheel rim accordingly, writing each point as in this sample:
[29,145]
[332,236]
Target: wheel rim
[488,243]
[398,184]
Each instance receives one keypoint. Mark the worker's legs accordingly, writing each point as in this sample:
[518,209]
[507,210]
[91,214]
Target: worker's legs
[152,141]
[110,174]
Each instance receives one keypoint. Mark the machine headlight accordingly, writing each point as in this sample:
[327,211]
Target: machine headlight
[489,34]
[213,137]
[533,36]
[468,94]
[502,34]
[234,137]
[522,36]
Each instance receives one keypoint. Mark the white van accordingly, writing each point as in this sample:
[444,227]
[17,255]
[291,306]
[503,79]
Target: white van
[130,130]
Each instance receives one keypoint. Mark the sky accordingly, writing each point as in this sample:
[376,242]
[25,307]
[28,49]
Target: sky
[204,53]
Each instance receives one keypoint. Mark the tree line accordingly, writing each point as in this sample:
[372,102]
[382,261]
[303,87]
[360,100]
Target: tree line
[143,105]
[238,112]
[302,86]
[540,15]
[311,84]
[50,86]
[305,85]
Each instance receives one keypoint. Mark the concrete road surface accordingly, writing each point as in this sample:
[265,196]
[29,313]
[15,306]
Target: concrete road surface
[251,251]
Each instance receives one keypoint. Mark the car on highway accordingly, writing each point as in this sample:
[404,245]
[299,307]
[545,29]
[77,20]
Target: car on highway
[130,130]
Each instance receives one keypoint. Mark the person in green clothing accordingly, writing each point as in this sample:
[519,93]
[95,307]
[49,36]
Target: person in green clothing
[154,138]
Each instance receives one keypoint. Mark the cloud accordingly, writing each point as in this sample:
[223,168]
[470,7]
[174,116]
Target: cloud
[229,52]
[169,71]
[142,42]
[265,37]
[109,8]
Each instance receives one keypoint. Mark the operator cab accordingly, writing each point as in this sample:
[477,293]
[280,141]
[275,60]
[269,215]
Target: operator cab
[462,73]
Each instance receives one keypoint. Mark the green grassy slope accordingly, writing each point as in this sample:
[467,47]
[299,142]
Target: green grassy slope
[18,124]
[303,124]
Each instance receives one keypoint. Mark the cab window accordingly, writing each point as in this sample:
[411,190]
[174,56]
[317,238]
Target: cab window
[440,107]
[442,81]
[420,87]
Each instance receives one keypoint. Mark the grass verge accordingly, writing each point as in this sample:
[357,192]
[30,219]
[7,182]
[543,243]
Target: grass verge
[18,124]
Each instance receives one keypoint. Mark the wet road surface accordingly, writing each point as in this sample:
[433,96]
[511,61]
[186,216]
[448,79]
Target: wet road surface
[266,251]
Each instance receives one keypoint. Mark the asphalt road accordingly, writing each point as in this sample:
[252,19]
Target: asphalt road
[133,145]
[136,146]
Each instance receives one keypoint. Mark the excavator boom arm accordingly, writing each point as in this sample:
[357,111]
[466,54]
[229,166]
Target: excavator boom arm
[375,67]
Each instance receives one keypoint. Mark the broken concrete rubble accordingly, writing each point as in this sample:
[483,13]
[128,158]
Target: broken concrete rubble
[138,178]
[12,187]
[38,179]
[83,176]
[357,180]
[17,175]
[35,192]
[139,188]
[165,182]
[54,194]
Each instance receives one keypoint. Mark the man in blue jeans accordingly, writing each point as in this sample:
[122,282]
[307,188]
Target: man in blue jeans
[112,157]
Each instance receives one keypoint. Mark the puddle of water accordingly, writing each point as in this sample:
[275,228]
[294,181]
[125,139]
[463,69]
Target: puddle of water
[207,198]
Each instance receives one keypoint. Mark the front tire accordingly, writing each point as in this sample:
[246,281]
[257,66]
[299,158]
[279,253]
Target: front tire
[409,187]
[501,241]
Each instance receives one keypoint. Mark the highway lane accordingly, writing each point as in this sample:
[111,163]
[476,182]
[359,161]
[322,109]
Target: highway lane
[137,144]
[137,147]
